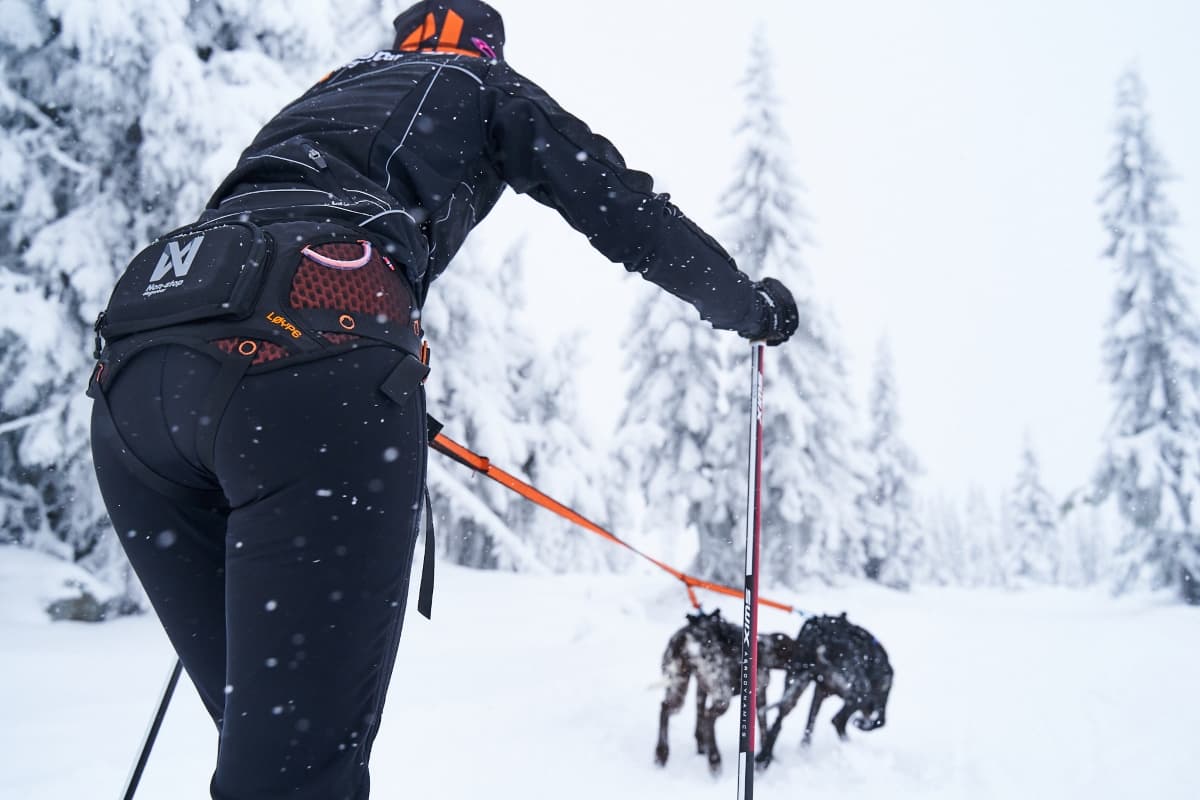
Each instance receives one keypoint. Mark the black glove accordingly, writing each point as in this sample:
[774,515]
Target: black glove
[780,317]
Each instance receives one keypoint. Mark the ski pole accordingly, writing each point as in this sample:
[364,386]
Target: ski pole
[750,609]
[135,776]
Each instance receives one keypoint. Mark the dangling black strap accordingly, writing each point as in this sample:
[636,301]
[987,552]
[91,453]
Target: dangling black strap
[433,426]
[223,386]
[425,594]
[405,379]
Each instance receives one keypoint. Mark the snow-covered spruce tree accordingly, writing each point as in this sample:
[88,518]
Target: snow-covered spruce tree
[965,540]
[1151,463]
[559,455]
[116,121]
[984,551]
[42,180]
[1088,544]
[1034,539]
[897,551]
[565,463]
[672,445]
[474,326]
[942,517]
[503,392]
[721,555]
[812,472]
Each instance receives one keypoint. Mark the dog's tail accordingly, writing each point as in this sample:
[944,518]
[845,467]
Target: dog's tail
[675,654]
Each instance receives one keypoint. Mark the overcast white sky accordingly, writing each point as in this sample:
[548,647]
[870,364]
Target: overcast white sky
[951,154]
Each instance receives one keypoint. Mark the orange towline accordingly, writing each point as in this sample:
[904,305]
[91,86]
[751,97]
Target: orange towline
[481,464]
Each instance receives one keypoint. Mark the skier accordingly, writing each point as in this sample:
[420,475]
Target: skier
[259,428]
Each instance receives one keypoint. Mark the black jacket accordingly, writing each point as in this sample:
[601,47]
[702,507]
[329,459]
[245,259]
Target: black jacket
[417,144]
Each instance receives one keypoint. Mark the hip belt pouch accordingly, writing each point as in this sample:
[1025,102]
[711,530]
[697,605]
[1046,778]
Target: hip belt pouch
[197,273]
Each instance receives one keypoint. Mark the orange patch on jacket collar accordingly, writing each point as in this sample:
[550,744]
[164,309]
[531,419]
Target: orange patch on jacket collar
[445,42]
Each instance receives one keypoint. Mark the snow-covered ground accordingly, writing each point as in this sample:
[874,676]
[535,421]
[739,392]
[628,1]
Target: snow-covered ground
[547,687]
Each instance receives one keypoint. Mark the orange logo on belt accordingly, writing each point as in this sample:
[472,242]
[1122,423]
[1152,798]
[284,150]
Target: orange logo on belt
[275,318]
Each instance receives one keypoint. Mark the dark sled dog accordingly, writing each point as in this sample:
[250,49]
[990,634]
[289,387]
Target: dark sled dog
[838,658]
[709,649]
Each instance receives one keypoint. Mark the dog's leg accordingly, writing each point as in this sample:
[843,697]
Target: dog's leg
[677,677]
[760,703]
[720,704]
[841,718]
[760,699]
[701,704]
[819,695]
[793,688]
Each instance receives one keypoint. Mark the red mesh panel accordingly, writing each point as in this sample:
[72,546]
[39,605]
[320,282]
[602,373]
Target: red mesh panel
[266,351]
[371,289]
[340,338]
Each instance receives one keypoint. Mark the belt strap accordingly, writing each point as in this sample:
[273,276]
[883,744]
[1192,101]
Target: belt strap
[398,333]
[425,594]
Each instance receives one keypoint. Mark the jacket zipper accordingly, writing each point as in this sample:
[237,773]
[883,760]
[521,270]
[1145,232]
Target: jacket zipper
[315,156]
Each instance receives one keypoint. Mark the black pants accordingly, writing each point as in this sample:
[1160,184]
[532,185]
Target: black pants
[285,601]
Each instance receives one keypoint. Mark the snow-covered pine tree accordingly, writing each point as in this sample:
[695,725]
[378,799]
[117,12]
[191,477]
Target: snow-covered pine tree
[897,552]
[116,121]
[811,472]
[671,444]
[1034,537]
[1151,462]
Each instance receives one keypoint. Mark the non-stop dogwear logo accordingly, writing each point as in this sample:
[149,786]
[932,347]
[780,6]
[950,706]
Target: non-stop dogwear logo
[177,259]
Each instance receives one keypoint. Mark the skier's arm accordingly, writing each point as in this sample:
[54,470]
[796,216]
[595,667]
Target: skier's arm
[541,150]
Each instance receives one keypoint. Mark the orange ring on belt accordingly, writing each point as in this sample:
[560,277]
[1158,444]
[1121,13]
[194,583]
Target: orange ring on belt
[347,322]
[248,347]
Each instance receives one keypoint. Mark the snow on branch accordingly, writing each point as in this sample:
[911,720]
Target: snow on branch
[44,123]
[29,419]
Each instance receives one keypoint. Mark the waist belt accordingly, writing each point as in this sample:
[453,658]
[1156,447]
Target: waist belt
[303,306]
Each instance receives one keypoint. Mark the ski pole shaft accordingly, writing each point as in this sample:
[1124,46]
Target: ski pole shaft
[139,766]
[750,609]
